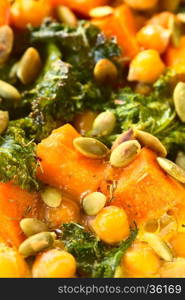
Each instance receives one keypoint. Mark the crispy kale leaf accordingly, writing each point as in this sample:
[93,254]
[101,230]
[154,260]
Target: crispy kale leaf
[81,47]
[154,113]
[94,258]
[17,159]
[66,86]
[58,95]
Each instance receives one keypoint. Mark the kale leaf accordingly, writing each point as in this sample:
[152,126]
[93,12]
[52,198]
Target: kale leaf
[94,258]
[18,161]
[81,47]
[66,86]
[58,95]
[154,113]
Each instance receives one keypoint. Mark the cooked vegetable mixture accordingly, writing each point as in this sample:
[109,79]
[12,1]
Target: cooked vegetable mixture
[92,138]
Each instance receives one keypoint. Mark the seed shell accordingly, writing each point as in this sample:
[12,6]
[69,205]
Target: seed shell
[125,153]
[104,124]
[148,140]
[90,147]
[172,169]
[93,203]
[8,91]
[52,197]
[179,100]
[31,226]
[36,243]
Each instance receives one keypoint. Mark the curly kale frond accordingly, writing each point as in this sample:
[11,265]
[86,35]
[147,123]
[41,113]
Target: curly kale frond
[94,258]
[66,84]
[18,161]
[148,113]
[81,46]
[154,113]
[75,39]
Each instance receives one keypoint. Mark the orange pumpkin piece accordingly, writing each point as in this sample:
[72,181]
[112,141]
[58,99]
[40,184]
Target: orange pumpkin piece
[4,12]
[145,191]
[123,26]
[174,56]
[154,37]
[80,6]
[142,4]
[15,204]
[163,19]
[63,167]
[178,244]
[21,12]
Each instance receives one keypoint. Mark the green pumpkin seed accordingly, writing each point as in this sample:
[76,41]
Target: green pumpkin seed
[172,169]
[101,11]
[105,71]
[8,91]
[124,137]
[125,153]
[90,147]
[93,203]
[4,119]
[29,66]
[36,243]
[179,100]
[66,16]
[31,226]
[52,197]
[6,42]
[104,124]
[159,246]
[180,160]
[148,140]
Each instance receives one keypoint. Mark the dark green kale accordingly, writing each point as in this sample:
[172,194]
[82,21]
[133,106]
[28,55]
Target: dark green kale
[82,46]
[66,86]
[85,36]
[57,96]
[94,258]
[18,161]
[154,113]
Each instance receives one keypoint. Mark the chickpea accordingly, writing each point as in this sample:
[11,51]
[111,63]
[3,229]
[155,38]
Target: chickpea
[111,224]
[178,244]
[4,12]
[12,264]
[54,263]
[154,37]
[146,67]
[141,261]
[163,19]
